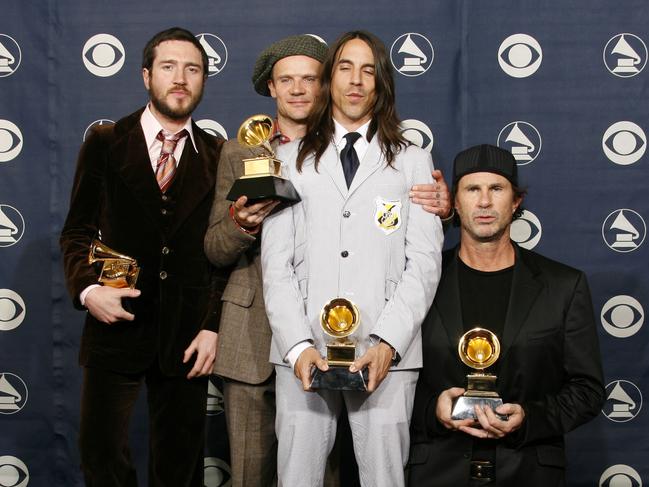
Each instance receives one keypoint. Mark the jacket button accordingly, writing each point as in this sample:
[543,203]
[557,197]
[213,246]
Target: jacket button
[163,211]
[165,197]
[163,275]
[344,253]
[347,213]
[165,250]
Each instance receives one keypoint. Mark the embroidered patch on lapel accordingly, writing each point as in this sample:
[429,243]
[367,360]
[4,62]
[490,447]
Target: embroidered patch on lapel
[388,215]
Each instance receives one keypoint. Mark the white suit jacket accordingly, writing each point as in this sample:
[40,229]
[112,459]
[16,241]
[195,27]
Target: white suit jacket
[368,244]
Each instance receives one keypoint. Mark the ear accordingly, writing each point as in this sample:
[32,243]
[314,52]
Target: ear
[271,88]
[146,76]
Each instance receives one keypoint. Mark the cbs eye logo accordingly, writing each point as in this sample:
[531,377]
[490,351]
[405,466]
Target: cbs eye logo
[418,133]
[620,476]
[11,141]
[216,473]
[12,310]
[622,316]
[212,127]
[624,143]
[103,55]
[520,55]
[526,230]
[13,472]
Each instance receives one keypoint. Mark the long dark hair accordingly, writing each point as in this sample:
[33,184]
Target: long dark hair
[385,122]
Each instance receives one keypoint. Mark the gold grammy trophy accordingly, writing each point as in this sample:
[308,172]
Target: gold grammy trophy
[117,270]
[339,319]
[262,174]
[478,348]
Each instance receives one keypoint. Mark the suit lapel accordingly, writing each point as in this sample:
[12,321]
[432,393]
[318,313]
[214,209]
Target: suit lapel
[525,290]
[330,163]
[134,168]
[195,179]
[448,301]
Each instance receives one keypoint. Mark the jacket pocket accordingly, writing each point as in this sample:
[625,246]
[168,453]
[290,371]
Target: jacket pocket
[551,456]
[238,294]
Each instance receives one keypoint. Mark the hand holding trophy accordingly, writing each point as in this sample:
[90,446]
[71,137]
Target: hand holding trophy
[339,319]
[262,174]
[478,348]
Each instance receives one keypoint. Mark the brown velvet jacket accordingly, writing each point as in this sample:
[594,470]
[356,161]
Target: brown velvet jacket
[115,195]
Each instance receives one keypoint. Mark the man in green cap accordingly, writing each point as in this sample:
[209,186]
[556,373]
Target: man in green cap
[289,71]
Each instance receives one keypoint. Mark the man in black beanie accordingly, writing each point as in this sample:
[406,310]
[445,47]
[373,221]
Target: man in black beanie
[549,372]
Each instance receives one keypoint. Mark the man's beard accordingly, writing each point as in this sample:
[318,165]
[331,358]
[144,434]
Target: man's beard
[174,113]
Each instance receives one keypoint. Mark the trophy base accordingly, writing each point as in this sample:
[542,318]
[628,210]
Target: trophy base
[340,379]
[463,407]
[264,187]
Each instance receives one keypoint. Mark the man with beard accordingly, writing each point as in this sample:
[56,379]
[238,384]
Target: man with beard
[355,235]
[549,373]
[144,186]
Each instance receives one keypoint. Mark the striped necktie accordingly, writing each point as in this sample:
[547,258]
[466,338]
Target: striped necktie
[166,166]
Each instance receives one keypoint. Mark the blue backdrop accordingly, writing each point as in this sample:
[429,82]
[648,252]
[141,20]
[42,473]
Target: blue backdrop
[562,84]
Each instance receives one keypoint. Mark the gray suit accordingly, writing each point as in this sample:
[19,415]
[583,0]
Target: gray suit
[332,244]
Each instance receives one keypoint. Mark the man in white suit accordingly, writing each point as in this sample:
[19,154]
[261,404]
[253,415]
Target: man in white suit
[354,235]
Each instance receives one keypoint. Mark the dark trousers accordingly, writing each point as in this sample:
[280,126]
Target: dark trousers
[176,428]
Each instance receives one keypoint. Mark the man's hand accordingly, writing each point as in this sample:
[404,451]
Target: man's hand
[105,303]
[378,360]
[435,198]
[305,362]
[204,345]
[251,216]
[491,426]
[444,408]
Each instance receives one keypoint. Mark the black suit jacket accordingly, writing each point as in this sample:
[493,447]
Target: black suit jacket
[549,363]
[115,195]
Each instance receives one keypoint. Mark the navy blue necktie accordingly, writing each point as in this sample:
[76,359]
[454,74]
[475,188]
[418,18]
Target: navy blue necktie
[349,158]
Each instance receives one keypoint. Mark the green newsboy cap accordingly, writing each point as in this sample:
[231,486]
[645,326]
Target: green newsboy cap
[301,45]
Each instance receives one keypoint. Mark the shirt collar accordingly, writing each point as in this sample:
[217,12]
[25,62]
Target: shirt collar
[278,135]
[151,128]
[341,131]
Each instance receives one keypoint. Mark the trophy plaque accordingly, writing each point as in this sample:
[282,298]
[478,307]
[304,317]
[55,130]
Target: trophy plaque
[478,348]
[262,174]
[117,270]
[339,319]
